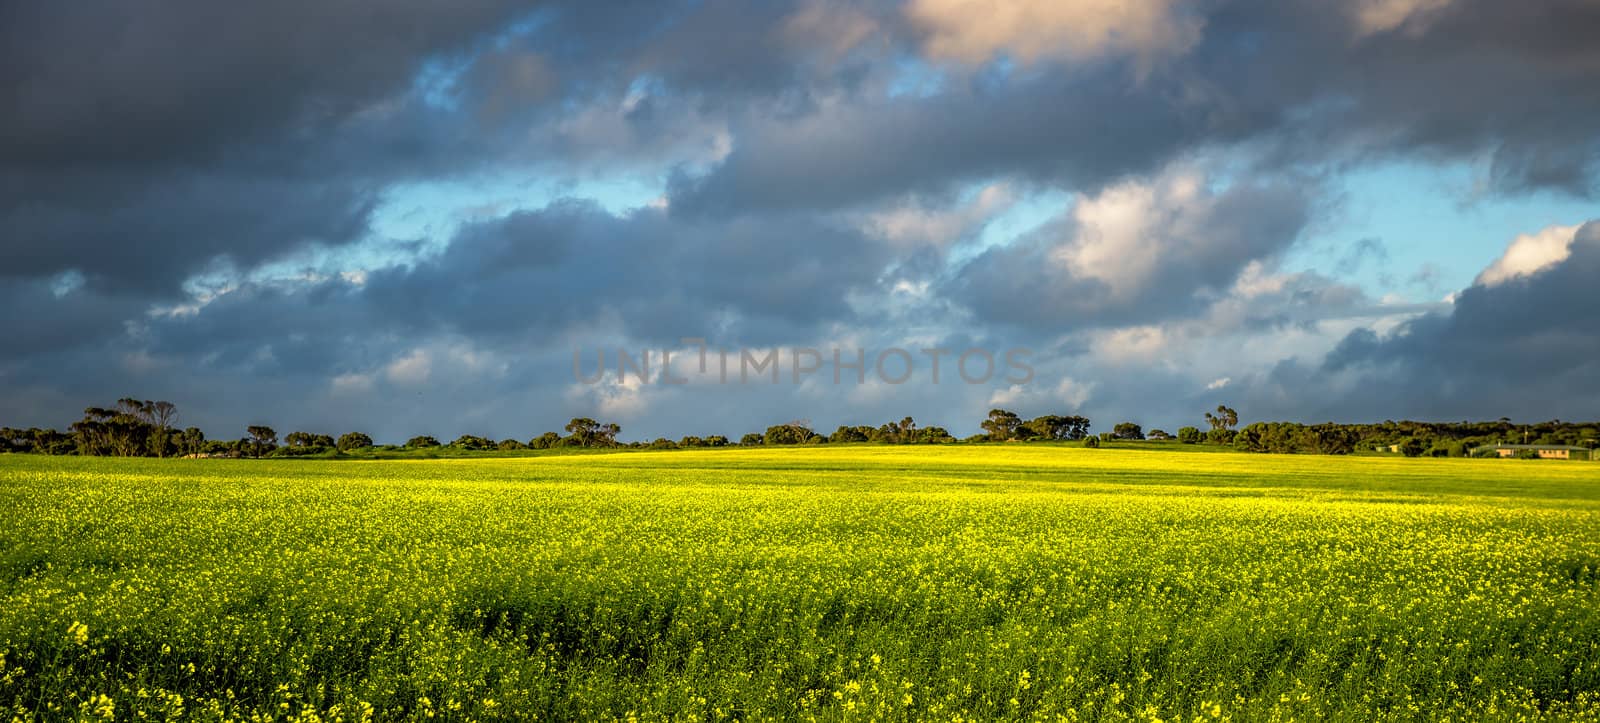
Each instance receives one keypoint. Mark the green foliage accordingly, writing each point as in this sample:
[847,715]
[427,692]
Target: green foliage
[1057,427]
[422,442]
[350,441]
[751,439]
[1225,419]
[472,443]
[1127,430]
[1001,425]
[585,432]
[1091,442]
[791,433]
[1189,435]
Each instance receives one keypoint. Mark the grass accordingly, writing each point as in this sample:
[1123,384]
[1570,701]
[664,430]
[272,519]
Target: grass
[862,582]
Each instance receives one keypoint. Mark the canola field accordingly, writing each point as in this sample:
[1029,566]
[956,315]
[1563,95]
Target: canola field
[1003,582]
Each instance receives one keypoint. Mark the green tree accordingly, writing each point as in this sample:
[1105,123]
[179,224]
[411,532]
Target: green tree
[1225,418]
[751,440]
[1127,430]
[1188,435]
[422,442]
[796,432]
[1001,425]
[194,441]
[352,441]
[587,432]
[262,439]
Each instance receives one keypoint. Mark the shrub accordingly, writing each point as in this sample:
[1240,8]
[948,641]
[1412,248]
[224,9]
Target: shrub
[1189,435]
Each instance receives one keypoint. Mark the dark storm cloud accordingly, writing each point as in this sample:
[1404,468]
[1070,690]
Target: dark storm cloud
[1297,82]
[145,141]
[1528,347]
[1195,247]
[536,276]
[1070,130]
[662,277]
[184,82]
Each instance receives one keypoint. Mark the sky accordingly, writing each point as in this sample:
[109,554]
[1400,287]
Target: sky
[412,217]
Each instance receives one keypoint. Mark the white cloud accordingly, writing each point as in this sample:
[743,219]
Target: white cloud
[351,383]
[1529,254]
[1377,16]
[1069,392]
[912,225]
[973,31]
[410,370]
[834,28]
[1122,235]
[1218,383]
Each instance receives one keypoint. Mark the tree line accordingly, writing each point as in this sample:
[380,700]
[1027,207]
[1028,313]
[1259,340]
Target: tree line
[147,428]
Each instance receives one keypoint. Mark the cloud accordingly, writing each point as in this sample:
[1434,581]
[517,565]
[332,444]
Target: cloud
[972,31]
[1526,344]
[1529,254]
[1376,16]
[191,208]
[1140,250]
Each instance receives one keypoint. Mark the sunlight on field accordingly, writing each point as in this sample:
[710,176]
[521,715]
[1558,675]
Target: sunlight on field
[987,582]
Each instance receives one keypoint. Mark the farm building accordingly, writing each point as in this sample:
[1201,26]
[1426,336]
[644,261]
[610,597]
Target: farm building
[1545,451]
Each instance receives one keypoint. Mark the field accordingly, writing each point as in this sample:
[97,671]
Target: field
[888,583]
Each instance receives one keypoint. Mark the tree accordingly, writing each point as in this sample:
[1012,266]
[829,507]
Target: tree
[1127,430]
[262,439]
[934,435]
[1058,428]
[751,440]
[586,432]
[716,440]
[845,434]
[1225,418]
[161,416]
[472,443]
[1335,439]
[422,442]
[352,441]
[193,441]
[510,445]
[1188,435]
[1001,425]
[544,441]
[1223,437]
[796,432]
[1091,442]
[1412,447]
[1159,434]
[691,441]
